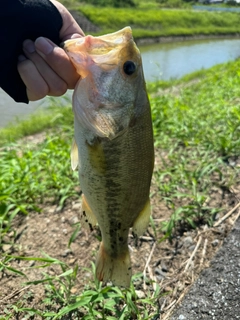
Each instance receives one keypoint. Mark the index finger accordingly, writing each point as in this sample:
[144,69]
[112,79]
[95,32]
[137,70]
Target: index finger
[58,60]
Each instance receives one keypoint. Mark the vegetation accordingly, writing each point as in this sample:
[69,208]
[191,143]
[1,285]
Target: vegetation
[152,23]
[112,3]
[197,131]
[174,4]
[197,138]
[201,125]
[149,20]
[138,4]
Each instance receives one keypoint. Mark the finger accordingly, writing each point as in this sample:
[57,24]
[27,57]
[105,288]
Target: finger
[58,60]
[36,86]
[57,86]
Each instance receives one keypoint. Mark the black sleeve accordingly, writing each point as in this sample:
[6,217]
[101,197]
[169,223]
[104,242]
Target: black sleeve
[21,20]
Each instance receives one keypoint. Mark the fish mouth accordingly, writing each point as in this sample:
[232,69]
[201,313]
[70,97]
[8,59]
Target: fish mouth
[103,50]
[98,45]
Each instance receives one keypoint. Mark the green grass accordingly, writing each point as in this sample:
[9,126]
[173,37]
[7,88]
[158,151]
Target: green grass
[155,19]
[96,302]
[152,23]
[205,114]
[139,4]
[197,134]
[200,130]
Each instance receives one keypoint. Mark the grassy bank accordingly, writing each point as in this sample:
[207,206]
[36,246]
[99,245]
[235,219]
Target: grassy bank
[155,23]
[158,19]
[197,138]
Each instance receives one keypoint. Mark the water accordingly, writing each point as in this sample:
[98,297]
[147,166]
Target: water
[11,110]
[160,61]
[211,8]
[173,60]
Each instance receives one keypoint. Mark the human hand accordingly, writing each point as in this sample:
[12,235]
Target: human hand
[46,69]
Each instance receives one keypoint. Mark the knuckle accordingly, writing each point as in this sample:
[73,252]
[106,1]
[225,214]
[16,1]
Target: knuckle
[24,66]
[42,92]
[56,58]
[59,89]
[38,93]
[59,56]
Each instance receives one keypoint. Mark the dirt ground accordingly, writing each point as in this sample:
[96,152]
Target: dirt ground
[174,265]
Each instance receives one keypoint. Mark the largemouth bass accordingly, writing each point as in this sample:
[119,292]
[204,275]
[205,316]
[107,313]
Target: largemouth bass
[113,146]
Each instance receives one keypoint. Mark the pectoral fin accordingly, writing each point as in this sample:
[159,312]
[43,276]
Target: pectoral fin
[106,126]
[104,120]
[74,155]
[141,223]
[88,218]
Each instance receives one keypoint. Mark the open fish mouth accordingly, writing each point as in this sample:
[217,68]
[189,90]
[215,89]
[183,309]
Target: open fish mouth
[99,45]
[103,50]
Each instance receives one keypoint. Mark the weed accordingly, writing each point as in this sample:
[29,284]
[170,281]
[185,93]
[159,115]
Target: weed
[201,126]
[96,301]
[154,23]
[196,136]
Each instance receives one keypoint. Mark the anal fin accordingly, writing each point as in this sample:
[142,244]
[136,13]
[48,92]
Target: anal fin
[88,219]
[142,221]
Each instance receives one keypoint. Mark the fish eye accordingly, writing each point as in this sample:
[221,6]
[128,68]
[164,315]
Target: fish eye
[129,67]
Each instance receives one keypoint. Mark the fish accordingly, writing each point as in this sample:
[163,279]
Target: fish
[113,145]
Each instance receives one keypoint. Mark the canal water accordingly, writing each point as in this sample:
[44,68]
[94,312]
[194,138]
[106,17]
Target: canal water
[160,61]
[173,60]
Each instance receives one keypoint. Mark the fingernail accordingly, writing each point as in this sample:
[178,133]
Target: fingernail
[43,45]
[28,45]
[76,36]
[21,58]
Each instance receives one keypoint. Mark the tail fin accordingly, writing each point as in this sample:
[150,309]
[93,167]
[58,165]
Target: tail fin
[117,269]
